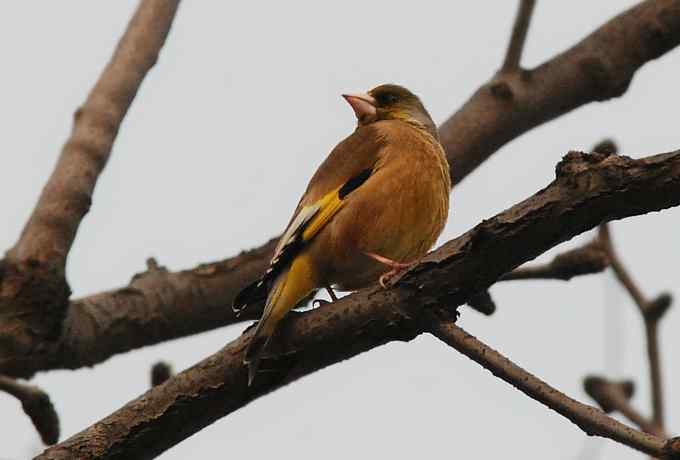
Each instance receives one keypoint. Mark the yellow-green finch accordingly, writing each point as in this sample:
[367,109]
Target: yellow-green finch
[376,205]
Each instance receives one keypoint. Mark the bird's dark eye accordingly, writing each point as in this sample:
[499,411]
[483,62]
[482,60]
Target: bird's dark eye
[387,99]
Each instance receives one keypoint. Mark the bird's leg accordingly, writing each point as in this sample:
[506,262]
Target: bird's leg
[318,302]
[397,268]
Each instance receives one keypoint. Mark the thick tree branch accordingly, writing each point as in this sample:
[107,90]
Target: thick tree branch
[588,189]
[51,229]
[157,305]
[37,405]
[598,68]
[34,294]
[519,35]
[182,303]
[115,322]
[589,419]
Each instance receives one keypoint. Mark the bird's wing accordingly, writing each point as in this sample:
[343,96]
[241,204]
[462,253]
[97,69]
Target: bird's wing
[348,166]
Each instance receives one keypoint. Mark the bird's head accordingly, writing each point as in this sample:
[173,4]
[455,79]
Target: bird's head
[390,102]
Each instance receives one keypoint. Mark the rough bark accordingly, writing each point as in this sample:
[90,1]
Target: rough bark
[588,189]
[515,100]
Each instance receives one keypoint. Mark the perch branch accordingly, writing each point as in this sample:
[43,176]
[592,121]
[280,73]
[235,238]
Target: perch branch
[88,345]
[181,303]
[589,188]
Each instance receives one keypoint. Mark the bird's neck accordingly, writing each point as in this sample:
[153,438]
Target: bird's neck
[421,121]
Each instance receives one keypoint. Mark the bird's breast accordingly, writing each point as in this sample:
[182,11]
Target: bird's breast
[398,213]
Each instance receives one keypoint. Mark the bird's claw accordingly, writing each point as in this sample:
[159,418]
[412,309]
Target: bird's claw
[397,269]
[388,279]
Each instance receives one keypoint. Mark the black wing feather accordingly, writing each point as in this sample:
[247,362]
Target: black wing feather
[257,291]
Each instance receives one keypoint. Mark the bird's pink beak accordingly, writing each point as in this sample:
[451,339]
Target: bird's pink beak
[363,106]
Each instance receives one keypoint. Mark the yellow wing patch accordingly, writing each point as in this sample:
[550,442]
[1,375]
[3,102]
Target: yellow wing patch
[328,206]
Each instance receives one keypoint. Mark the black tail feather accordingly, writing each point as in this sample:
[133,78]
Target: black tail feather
[254,354]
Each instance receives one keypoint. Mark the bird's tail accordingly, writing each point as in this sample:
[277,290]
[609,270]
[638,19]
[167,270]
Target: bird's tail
[287,291]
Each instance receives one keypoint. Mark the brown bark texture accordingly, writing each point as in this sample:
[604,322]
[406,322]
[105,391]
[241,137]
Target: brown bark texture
[34,293]
[588,189]
[166,305]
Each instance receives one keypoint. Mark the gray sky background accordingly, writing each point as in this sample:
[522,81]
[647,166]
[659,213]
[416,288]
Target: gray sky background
[214,153]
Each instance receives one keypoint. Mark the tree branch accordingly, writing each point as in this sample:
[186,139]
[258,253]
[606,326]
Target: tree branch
[598,68]
[620,270]
[37,405]
[584,260]
[183,303]
[651,312]
[519,35]
[156,306]
[615,396]
[589,188]
[51,229]
[592,421]
[34,294]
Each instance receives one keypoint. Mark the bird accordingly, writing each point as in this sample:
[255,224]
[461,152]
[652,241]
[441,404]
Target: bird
[374,207]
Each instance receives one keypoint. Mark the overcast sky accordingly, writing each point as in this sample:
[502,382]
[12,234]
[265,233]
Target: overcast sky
[242,107]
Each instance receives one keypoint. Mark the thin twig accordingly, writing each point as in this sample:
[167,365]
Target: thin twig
[620,270]
[513,54]
[584,260]
[589,419]
[37,405]
[651,313]
[615,396]
[652,336]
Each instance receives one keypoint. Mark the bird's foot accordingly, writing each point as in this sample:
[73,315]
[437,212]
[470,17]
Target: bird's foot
[388,279]
[397,269]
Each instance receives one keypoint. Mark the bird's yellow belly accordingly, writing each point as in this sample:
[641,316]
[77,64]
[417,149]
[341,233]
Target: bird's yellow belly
[400,220]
